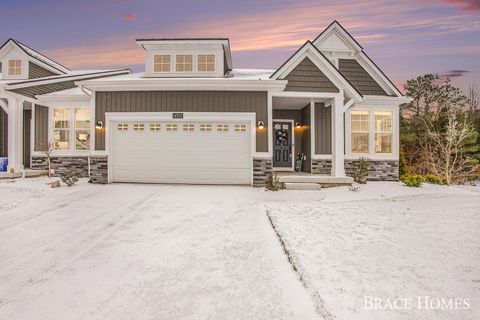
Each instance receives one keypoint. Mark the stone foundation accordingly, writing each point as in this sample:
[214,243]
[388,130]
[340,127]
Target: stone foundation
[378,170]
[76,166]
[262,171]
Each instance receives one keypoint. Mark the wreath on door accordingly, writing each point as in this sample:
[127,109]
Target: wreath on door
[282,136]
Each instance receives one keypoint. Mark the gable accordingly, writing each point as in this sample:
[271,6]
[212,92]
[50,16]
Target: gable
[307,77]
[35,71]
[359,77]
[333,42]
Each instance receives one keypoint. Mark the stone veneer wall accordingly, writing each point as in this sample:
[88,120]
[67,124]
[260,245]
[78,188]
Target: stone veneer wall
[262,171]
[77,166]
[378,170]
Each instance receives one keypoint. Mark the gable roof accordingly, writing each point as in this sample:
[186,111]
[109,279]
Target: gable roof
[37,56]
[322,63]
[357,50]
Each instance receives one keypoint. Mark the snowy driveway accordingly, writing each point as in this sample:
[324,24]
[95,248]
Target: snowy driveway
[142,252]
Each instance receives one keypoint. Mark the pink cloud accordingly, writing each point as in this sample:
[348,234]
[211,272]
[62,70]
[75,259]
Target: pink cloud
[466,5]
[130,16]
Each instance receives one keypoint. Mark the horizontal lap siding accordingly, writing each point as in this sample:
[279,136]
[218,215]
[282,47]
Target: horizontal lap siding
[323,129]
[41,128]
[46,88]
[35,71]
[3,133]
[360,78]
[306,141]
[182,101]
[306,77]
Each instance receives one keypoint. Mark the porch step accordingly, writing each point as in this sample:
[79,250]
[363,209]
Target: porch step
[29,173]
[302,186]
[313,178]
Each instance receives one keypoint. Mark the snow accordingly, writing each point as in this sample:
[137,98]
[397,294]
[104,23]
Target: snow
[128,251]
[386,241]
[132,251]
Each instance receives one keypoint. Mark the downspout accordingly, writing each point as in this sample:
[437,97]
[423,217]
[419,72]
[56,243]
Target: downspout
[88,93]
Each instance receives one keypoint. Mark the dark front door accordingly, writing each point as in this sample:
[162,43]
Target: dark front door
[282,144]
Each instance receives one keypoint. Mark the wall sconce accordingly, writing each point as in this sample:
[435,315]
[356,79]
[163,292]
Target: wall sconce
[298,125]
[260,125]
[99,124]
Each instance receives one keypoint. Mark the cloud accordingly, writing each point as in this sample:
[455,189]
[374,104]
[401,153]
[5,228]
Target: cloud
[130,16]
[466,5]
[453,74]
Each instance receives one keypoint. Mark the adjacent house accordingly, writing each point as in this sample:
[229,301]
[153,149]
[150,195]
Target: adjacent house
[191,117]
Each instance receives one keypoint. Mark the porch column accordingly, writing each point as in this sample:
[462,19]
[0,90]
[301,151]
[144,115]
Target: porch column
[338,138]
[15,134]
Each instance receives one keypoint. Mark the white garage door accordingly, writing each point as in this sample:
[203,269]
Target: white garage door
[181,152]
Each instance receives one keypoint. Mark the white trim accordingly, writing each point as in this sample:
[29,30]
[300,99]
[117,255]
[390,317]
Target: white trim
[270,124]
[4,106]
[312,130]
[348,105]
[317,95]
[292,154]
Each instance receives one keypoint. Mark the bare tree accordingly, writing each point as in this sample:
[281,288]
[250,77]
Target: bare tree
[473,96]
[47,151]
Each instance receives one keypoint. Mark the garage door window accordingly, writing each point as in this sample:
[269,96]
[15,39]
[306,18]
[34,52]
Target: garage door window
[222,127]
[205,127]
[188,127]
[122,127]
[240,128]
[138,127]
[171,127]
[155,127]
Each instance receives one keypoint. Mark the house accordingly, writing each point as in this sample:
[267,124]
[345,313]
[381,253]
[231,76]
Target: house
[191,117]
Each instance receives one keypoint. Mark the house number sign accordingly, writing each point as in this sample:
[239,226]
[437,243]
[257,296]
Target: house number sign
[177,115]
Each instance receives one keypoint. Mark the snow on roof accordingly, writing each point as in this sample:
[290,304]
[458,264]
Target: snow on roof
[77,91]
[252,74]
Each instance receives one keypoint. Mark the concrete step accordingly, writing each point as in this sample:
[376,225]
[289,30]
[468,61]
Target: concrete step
[302,186]
[324,180]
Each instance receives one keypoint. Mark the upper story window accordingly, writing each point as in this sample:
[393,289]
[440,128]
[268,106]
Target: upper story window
[206,63]
[14,67]
[184,63]
[161,63]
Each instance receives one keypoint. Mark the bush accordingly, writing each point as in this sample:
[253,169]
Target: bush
[402,165]
[272,183]
[430,178]
[69,179]
[412,180]
[361,171]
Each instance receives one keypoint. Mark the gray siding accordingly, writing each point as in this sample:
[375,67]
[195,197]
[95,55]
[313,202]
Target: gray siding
[306,141]
[296,116]
[307,77]
[46,88]
[35,71]
[41,128]
[3,133]
[359,77]
[182,101]
[323,129]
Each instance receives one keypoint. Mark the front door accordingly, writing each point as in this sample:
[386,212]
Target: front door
[282,144]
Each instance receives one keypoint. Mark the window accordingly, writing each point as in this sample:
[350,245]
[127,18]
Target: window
[154,126]
[360,128]
[222,127]
[122,127]
[184,63]
[383,131]
[205,127]
[138,127]
[71,129]
[240,128]
[206,62]
[171,127]
[161,63]
[82,128]
[188,127]
[14,67]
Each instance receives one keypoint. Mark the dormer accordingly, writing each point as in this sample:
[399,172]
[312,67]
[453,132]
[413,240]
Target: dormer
[19,62]
[187,58]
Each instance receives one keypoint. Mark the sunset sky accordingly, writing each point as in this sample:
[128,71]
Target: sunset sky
[405,38]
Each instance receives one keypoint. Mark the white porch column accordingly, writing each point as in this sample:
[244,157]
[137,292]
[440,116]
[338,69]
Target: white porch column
[338,138]
[15,134]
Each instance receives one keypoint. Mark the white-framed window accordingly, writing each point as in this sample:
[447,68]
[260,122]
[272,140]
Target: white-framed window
[184,63]
[383,132]
[206,62]
[205,127]
[222,127]
[138,127]
[122,127]
[240,128]
[171,127]
[71,129]
[188,127]
[360,131]
[154,126]
[161,63]
[14,67]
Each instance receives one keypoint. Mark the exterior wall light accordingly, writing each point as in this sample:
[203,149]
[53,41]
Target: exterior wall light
[99,124]
[298,125]
[260,125]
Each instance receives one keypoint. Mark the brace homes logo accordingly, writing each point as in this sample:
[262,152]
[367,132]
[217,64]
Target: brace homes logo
[419,303]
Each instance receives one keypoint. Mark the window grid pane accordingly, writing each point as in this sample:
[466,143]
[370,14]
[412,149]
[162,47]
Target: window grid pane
[222,127]
[171,127]
[383,143]
[188,127]
[61,139]
[82,118]
[14,67]
[82,140]
[206,62]
[183,63]
[138,127]
[360,142]
[240,128]
[122,127]
[154,127]
[205,127]
[61,118]
[161,63]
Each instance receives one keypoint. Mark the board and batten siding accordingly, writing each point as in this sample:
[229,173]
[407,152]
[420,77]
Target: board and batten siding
[306,141]
[3,133]
[182,101]
[35,71]
[306,77]
[323,129]
[41,128]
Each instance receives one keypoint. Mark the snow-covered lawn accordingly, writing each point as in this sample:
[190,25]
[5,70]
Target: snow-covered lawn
[142,252]
[386,241]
